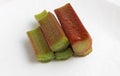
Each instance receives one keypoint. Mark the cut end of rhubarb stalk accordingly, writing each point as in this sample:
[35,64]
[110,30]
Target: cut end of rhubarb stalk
[63,55]
[42,51]
[41,15]
[60,45]
[82,48]
[46,57]
[52,31]
[87,52]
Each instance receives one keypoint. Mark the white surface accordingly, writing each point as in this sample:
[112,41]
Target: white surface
[100,17]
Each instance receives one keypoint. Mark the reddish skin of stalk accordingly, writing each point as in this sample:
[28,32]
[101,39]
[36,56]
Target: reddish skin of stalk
[72,25]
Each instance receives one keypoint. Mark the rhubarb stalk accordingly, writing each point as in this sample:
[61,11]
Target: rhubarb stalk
[42,51]
[77,34]
[52,31]
[63,55]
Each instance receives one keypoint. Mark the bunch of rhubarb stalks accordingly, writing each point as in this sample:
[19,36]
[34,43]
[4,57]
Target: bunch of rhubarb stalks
[53,40]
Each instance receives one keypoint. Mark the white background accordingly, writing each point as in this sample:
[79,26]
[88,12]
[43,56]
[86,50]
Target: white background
[100,17]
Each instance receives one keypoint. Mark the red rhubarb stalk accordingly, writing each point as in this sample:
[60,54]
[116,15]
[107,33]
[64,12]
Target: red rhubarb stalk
[77,34]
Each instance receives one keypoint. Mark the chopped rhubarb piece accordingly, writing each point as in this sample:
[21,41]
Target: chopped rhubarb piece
[42,51]
[63,55]
[77,34]
[52,31]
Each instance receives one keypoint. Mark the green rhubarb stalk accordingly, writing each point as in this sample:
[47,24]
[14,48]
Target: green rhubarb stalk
[63,55]
[42,51]
[52,31]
